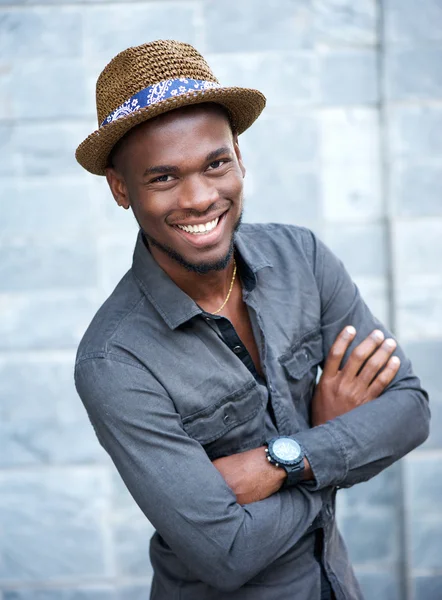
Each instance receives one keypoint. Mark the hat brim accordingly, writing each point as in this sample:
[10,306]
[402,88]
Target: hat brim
[244,106]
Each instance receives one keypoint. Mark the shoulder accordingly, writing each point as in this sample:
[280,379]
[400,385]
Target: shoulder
[111,319]
[277,241]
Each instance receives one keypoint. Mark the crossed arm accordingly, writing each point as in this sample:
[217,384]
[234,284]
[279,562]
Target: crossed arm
[368,371]
[363,419]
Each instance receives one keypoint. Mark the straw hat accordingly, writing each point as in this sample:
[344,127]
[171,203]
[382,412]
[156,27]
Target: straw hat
[145,81]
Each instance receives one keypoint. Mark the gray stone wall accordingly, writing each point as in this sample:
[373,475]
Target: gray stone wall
[350,145]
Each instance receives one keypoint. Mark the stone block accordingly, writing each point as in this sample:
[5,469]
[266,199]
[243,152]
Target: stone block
[45,321]
[42,418]
[81,593]
[380,492]
[349,77]
[115,259]
[378,585]
[109,30]
[6,92]
[407,21]
[425,356]
[362,248]
[423,480]
[414,132]
[285,78]
[50,207]
[47,148]
[371,537]
[285,142]
[134,592]
[282,185]
[352,193]
[54,89]
[8,158]
[234,26]
[44,264]
[415,190]
[374,291]
[413,74]
[294,199]
[113,219]
[131,532]
[43,32]
[349,136]
[425,535]
[417,247]
[419,307]
[427,587]
[346,22]
[51,524]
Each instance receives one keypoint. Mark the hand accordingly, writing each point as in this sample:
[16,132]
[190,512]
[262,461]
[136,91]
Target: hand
[250,475]
[368,371]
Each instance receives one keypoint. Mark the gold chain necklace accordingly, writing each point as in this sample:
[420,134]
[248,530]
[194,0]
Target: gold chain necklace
[230,290]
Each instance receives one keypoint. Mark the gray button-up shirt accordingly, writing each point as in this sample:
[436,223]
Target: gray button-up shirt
[166,395]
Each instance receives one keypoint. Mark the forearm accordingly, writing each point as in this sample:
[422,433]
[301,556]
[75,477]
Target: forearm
[361,443]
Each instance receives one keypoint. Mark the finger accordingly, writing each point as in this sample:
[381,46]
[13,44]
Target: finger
[384,378]
[376,362]
[337,351]
[362,352]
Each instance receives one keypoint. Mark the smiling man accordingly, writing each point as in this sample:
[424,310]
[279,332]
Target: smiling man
[199,371]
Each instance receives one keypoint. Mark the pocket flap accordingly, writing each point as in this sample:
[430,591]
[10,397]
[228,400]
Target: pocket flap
[216,420]
[303,355]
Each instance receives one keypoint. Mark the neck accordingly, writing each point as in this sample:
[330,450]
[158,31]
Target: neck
[208,290]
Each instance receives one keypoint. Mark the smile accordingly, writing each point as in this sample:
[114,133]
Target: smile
[201,228]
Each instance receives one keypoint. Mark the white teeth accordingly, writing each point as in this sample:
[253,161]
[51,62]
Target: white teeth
[202,228]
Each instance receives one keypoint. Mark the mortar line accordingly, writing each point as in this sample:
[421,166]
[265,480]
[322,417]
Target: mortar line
[403,567]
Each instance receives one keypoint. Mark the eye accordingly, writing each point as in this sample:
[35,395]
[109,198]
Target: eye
[162,179]
[216,164]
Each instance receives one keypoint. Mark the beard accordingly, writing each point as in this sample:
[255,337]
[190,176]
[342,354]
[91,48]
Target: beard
[201,268]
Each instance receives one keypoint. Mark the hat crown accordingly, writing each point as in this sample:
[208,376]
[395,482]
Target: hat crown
[139,67]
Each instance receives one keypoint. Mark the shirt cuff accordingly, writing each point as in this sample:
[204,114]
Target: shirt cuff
[325,451]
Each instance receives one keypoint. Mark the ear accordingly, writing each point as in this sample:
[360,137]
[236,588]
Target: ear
[238,154]
[118,187]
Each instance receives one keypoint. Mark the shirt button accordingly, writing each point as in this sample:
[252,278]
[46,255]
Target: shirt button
[226,418]
[208,319]
[305,354]
[237,349]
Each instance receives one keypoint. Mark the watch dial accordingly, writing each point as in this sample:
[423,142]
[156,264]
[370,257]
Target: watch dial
[286,449]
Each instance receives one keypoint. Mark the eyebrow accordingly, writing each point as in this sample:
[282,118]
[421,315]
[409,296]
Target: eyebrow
[162,169]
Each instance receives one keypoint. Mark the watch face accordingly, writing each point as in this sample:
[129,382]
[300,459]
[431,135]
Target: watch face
[286,449]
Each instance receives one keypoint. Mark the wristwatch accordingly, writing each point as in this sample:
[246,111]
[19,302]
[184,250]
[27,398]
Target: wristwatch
[285,452]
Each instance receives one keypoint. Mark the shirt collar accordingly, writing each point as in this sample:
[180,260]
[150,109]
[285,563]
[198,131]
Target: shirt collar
[175,306]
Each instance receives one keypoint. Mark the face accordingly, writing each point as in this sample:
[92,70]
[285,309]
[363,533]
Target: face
[182,175]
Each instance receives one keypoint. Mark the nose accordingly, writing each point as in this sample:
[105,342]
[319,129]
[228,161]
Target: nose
[197,193]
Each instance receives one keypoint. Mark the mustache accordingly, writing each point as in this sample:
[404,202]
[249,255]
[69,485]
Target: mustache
[216,208]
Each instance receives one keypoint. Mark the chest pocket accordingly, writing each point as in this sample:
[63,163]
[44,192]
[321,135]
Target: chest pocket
[300,365]
[232,424]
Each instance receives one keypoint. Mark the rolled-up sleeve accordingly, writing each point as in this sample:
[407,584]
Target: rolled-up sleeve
[176,486]
[359,444]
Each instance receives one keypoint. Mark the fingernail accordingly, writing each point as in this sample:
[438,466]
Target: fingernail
[395,360]
[377,335]
[390,343]
[349,332]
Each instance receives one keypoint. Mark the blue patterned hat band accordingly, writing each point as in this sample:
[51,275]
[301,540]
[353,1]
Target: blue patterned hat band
[169,88]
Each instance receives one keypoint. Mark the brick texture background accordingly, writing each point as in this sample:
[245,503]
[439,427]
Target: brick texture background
[350,145]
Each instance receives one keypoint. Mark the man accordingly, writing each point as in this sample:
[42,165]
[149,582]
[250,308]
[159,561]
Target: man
[198,373]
